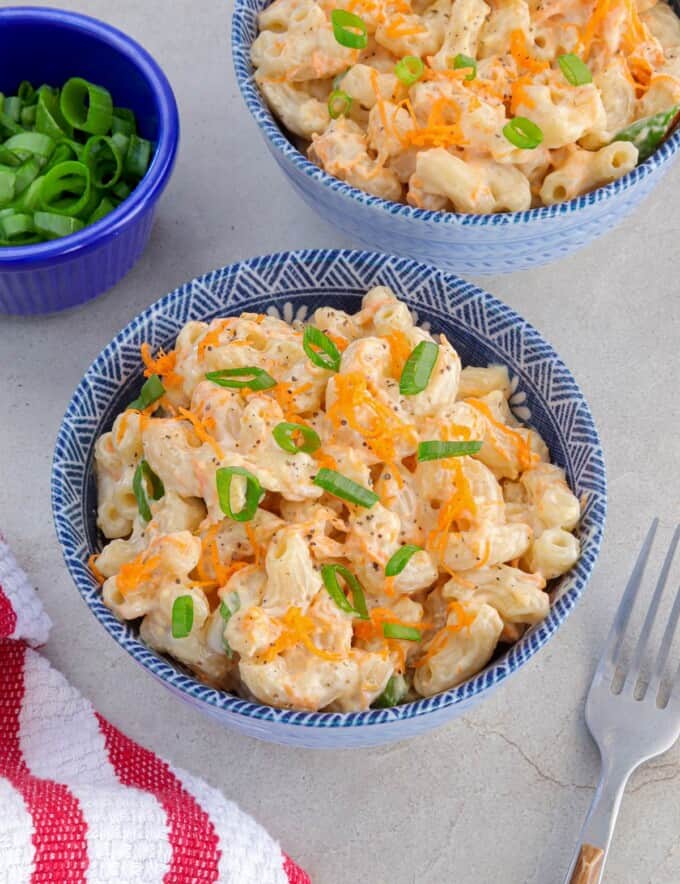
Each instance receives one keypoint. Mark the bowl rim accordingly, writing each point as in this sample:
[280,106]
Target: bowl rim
[259,110]
[152,184]
[65,512]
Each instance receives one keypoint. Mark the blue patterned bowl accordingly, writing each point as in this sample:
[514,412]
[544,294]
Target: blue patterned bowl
[477,244]
[294,284]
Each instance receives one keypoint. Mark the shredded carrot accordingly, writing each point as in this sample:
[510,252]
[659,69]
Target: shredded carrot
[325,460]
[400,350]
[201,431]
[460,506]
[399,27]
[367,630]
[341,343]
[520,95]
[257,549]
[163,364]
[353,395]
[526,457]
[212,337]
[389,585]
[285,396]
[520,52]
[97,574]
[135,572]
[143,420]
[296,629]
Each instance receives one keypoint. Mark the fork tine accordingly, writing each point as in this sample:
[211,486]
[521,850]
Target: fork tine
[615,638]
[665,649]
[639,653]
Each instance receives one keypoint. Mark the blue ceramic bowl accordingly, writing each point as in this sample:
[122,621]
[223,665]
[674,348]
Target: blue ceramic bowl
[49,46]
[476,244]
[294,284]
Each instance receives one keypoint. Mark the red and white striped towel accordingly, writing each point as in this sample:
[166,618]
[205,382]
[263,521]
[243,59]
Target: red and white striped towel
[80,801]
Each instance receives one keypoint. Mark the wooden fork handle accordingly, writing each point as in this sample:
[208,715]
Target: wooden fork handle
[588,865]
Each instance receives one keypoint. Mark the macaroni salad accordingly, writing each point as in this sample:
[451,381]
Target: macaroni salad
[472,106]
[328,516]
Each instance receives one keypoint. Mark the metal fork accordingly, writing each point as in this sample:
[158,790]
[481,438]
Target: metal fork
[631,722]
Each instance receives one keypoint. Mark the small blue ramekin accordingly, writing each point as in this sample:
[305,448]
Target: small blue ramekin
[459,243]
[49,46]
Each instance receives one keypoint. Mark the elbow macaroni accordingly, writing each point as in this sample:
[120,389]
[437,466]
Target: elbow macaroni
[440,141]
[273,614]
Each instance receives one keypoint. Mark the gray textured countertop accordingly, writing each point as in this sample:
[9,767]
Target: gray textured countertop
[499,795]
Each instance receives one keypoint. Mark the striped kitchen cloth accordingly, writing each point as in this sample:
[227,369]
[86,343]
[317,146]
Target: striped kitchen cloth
[80,801]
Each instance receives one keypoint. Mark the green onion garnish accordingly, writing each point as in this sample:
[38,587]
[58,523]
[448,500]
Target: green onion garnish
[182,616]
[395,691]
[104,158]
[339,104]
[53,179]
[397,630]
[66,189]
[649,133]
[465,61]
[283,436]
[142,473]
[418,368]
[255,378]
[436,450]
[151,391]
[574,69]
[409,69]
[340,486]
[329,575]
[327,356]
[523,133]
[229,606]
[86,107]
[254,493]
[400,559]
[349,30]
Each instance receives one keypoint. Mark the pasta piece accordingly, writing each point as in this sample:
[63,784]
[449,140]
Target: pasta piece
[517,596]
[553,553]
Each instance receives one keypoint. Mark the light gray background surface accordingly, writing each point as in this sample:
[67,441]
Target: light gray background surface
[499,795]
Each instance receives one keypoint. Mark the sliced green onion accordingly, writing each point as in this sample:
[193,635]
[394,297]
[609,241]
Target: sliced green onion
[86,107]
[122,190]
[12,107]
[574,69]
[647,134]
[8,179]
[409,70]
[255,378]
[229,606]
[329,357]
[138,156]
[26,174]
[400,559]
[67,189]
[7,124]
[102,210]
[283,436]
[26,92]
[418,368]
[123,121]
[8,157]
[104,158]
[182,616]
[349,30]
[53,226]
[31,142]
[254,493]
[17,229]
[30,199]
[395,691]
[346,489]
[48,116]
[460,62]
[406,633]
[329,575]
[436,450]
[145,473]
[28,116]
[151,391]
[339,104]
[523,133]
